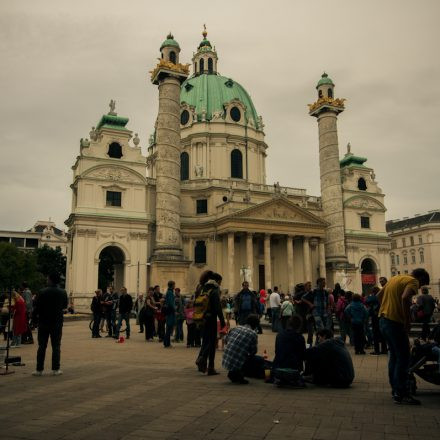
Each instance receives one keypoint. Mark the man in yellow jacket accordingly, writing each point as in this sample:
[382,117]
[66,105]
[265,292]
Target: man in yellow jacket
[394,322]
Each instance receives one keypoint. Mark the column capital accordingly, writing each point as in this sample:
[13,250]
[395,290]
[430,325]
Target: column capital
[267,235]
[250,234]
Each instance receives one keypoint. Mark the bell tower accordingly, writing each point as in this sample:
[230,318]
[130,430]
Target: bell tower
[326,109]
[205,59]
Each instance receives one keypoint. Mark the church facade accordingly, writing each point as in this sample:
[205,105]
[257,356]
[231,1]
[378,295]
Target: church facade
[200,199]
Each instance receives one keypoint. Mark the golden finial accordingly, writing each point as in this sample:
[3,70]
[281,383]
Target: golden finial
[204,33]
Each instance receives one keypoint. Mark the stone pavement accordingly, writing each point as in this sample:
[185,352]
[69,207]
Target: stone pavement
[139,390]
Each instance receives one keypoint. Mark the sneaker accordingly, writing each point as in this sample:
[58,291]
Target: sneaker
[37,373]
[57,372]
[407,400]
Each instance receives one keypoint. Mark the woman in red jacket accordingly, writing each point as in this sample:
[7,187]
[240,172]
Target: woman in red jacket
[20,323]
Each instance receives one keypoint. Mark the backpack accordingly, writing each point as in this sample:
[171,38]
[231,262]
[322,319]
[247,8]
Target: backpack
[201,304]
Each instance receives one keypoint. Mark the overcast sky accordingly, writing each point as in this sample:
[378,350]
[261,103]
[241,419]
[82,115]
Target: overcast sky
[62,62]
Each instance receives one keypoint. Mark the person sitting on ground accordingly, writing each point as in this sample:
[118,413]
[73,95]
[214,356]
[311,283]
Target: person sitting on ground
[239,357]
[290,346]
[329,362]
[358,316]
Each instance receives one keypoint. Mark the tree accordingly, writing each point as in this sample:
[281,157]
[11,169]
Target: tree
[51,260]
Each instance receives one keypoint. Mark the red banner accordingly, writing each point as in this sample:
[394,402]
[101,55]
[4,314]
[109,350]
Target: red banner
[368,278]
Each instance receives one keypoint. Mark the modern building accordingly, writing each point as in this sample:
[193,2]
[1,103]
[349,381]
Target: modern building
[41,234]
[415,242]
[200,198]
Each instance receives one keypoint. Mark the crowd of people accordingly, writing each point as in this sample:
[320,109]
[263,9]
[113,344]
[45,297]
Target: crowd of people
[379,320]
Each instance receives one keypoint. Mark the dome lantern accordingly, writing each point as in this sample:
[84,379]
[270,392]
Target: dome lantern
[170,49]
[205,59]
[325,87]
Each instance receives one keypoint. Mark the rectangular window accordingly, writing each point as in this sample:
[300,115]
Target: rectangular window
[113,198]
[32,242]
[202,206]
[403,242]
[393,260]
[411,239]
[397,260]
[4,239]
[422,257]
[405,259]
[406,271]
[19,242]
[420,239]
[413,259]
[365,222]
[393,244]
[200,252]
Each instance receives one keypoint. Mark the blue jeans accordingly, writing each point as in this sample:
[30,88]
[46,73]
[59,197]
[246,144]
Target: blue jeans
[126,317]
[96,323]
[168,332]
[275,319]
[179,330]
[396,337]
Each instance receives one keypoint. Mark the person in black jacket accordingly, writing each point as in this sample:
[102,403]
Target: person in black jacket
[50,305]
[210,281]
[245,303]
[96,307]
[125,307]
[290,346]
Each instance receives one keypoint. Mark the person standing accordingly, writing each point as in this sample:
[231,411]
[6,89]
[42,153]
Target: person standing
[148,312]
[20,325]
[373,310]
[275,306]
[50,305]
[321,305]
[358,316]
[107,302]
[210,287]
[138,306]
[180,316]
[27,296]
[425,309]
[245,303]
[170,313]
[125,307]
[287,310]
[96,310]
[394,321]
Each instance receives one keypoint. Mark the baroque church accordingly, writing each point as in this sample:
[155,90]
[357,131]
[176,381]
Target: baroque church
[200,199]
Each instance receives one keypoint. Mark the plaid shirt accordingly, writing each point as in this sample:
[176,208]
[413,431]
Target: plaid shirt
[319,298]
[241,342]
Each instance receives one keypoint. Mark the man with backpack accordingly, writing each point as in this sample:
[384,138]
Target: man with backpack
[245,303]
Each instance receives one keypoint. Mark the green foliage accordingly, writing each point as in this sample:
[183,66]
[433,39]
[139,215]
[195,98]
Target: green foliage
[17,266]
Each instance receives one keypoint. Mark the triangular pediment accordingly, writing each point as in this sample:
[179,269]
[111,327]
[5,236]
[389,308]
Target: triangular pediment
[279,209]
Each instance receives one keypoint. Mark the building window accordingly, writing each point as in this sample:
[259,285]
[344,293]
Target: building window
[362,185]
[32,242]
[202,65]
[397,260]
[393,260]
[184,166]
[115,150]
[422,257]
[202,206]
[19,242]
[113,198]
[393,244]
[405,259]
[406,272]
[210,65]
[319,93]
[420,239]
[236,164]
[403,242]
[330,93]
[365,222]
[411,239]
[235,114]
[173,57]
[200,252]
[184,117]
[413,259]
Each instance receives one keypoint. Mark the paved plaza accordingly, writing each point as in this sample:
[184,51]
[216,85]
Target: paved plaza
[139,390]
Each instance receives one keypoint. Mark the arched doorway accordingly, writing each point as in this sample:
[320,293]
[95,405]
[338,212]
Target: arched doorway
[368,275]
[111,268]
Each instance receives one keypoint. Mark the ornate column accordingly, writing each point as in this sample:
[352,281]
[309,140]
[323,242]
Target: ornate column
[290,275]
[250,257]
[306,254]
[267,262]
[322,272]
[231,253]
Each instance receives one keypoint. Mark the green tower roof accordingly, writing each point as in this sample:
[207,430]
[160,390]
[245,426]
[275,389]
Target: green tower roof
[350,160]
[204,43]
[112,121]
[170,41]
[324,80]
[210,93]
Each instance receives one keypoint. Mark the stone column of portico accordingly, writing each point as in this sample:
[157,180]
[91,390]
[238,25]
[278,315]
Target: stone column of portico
[231,253]
[306,255]
[250,257]
[290,276]
[267,262]
[322,272]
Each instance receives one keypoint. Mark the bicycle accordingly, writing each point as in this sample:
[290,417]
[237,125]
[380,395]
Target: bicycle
[104,328]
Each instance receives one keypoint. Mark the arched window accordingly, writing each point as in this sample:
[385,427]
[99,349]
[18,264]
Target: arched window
[184,166]
[236,164]
[115,150]
[210,65]
[319,93]
[362,185]
[200,252]
[330,93]
[202,65]
[173,57]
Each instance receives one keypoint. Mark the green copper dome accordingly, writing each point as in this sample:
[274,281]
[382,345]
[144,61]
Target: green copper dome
[170,41]
[204,43]
[210,93]
[324,80]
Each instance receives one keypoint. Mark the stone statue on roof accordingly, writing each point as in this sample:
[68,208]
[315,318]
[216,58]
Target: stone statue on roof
[112,106]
